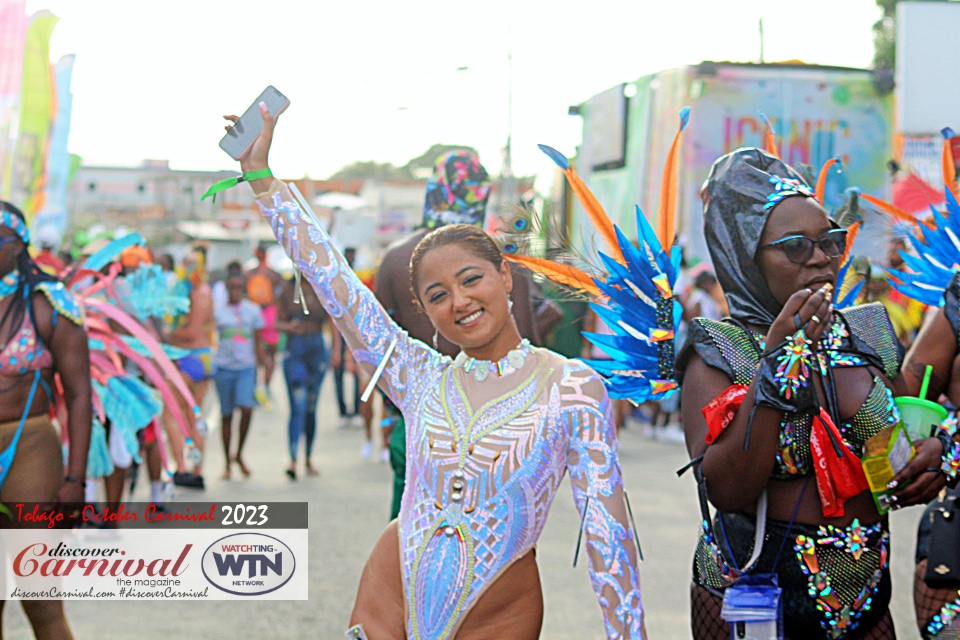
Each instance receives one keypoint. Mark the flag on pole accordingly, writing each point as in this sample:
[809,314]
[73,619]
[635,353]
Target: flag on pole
[37,109]
[13,29]
[59,162]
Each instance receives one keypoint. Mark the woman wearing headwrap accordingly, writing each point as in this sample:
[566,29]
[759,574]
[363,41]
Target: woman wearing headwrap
[782,396]
[41,336]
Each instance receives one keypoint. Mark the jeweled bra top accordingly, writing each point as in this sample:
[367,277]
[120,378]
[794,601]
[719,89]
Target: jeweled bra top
[860,336]
[487,447]
[24,351]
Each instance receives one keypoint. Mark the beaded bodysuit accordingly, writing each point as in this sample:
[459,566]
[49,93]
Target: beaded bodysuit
[841,569]
[486,450]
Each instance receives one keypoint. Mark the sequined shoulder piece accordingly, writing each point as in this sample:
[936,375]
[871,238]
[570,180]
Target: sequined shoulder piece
[721,345]
[62,301]
[871,328]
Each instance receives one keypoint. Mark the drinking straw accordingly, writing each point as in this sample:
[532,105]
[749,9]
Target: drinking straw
[926,381]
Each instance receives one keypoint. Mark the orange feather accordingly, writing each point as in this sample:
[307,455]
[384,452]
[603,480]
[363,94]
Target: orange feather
[561,273]
[852,232]
[668,187]
[599,218]
[769,139]
[949,169]
[886,207]
[822,178]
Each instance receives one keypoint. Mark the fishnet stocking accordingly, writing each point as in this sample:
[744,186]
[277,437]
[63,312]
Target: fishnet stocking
[928,601]
[706,623]
[883,630]
[705,620]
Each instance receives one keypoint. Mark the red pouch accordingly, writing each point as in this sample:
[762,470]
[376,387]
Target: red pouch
[838,479]
[722,410]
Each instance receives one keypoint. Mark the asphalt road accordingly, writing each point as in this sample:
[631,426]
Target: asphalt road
[349,506]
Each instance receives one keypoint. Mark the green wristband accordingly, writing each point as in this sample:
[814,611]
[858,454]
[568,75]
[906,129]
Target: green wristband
[229,183]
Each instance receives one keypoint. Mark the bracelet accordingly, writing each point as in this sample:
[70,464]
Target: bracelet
[783,376]
[72,479]
[793,365]
[950,466]
[229,183]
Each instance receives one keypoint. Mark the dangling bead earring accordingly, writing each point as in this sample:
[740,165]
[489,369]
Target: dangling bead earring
[436,338]
[510,305]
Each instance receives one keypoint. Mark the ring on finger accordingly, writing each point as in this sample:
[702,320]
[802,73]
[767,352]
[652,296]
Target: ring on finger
[797,321]
[815,319]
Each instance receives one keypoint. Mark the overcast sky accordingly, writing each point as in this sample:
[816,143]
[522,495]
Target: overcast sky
[379,80]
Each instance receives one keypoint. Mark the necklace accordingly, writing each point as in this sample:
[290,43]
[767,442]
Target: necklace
[8,284]
[505,366]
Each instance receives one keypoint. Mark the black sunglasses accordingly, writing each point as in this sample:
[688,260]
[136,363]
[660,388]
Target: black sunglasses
[799,249]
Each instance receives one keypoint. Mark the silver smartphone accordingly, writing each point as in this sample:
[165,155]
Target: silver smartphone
[242,134]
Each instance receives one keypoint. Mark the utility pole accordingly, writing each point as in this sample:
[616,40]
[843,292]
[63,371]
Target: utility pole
[507,182]
[761,41]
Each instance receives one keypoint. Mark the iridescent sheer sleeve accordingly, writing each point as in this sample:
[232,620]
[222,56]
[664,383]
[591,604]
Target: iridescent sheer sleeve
[362,321]
[607,535]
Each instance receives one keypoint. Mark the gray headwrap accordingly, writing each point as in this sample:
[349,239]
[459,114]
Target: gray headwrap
[738,197]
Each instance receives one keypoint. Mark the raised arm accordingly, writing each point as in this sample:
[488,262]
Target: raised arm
[361,320]
[608,538]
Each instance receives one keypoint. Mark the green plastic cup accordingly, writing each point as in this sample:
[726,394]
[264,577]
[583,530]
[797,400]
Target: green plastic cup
[920,417]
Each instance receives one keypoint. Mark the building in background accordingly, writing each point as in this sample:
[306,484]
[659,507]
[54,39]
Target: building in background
[164,206]
[817,113]
[925,101]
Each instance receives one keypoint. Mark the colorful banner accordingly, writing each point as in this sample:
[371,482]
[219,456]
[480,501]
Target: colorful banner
[13,29]
[37,110]
[59,162]
[817,113]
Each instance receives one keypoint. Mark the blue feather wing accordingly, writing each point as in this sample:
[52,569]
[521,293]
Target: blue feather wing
[938,255]
[642,315]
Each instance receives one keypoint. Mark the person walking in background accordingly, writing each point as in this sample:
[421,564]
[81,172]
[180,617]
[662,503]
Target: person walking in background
[304,367]
[47,259]
[706,299]
[264,286]
[219,288]
[349,415]
[239,325]
[192,331]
